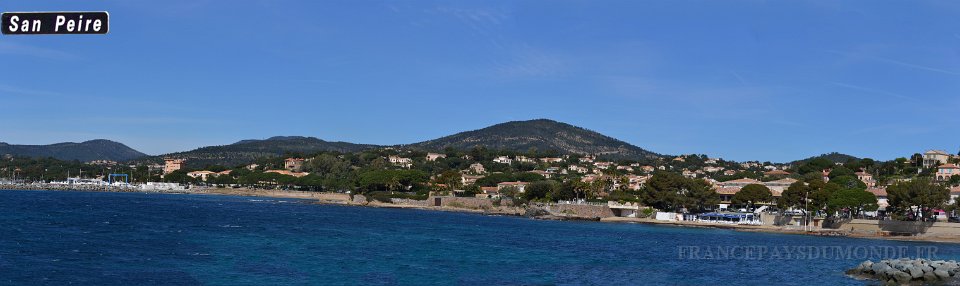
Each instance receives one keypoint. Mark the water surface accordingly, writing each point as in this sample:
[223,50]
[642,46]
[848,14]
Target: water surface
[58,238]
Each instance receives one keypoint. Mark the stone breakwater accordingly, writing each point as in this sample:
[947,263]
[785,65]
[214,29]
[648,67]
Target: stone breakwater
[908,271]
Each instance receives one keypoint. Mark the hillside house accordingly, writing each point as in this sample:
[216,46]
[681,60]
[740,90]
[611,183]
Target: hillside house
[933,158]
[521,186]
[400,161]
[945,171]
[434,156]
[293,164]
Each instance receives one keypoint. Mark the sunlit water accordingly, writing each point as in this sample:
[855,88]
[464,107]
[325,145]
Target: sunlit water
[59,238]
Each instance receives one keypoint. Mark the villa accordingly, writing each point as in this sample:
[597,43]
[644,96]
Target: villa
[435,156]
[400,161]
[203,175]
[521,186]
[503,160]
[933,158]
[945,171]
[293,164]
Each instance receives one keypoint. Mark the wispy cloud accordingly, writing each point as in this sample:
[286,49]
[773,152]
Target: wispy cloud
[482,22]
[8,89]
[13,48]
[529,62]
[871,90]
[739,78]
[896,62]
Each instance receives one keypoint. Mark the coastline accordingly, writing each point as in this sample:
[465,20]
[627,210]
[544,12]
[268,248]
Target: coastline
[345,200]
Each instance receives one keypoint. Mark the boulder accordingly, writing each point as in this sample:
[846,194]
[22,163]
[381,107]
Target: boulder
[879,267]
[942,274]
[930,277]
[902,277]
[914,271]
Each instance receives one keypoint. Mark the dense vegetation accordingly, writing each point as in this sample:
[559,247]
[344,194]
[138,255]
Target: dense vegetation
[85,151]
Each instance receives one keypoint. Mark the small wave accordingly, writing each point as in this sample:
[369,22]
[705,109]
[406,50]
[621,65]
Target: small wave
[200,254]
[230,226]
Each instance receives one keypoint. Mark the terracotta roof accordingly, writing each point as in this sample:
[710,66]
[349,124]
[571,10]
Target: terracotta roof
[785,181]
[727,190]
[955,190]
[880,192]
[513,183]
[744,180]
[949,166]
[776,172]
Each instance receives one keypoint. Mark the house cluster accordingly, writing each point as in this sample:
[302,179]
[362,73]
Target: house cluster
[941,161]
[291,167]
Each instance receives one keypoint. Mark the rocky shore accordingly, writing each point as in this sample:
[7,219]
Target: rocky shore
[909,271]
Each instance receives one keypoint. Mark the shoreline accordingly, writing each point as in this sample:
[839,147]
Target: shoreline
[344,200]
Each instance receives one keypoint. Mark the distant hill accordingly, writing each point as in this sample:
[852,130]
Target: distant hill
[542,134]
[246,151]
[833,157]
[99,149]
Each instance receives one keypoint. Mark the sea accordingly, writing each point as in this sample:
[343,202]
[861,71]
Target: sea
[88,238]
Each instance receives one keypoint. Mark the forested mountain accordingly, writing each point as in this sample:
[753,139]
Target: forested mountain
[246,151]
[832,157]
[99,149]
[542,134]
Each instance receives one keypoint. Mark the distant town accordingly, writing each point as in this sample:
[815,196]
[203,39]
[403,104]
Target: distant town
[701,187]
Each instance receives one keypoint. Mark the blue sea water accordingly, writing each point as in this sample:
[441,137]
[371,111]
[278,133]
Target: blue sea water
[63,238]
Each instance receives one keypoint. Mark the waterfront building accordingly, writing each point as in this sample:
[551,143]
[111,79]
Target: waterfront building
[521,186]
[203,175]
[171,164]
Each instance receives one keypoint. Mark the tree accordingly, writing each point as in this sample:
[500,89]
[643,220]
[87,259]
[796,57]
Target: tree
[815,165]
[795,196]
[752,194]
[662,191]
[840,171]
[700,196]
[540,190]
[916,198]
[672,191]
[853,200]
[849,183]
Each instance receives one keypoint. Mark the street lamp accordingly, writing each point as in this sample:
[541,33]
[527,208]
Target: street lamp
[806,214]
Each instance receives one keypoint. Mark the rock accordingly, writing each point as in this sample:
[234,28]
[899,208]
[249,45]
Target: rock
[930,277]
[942,274]
[915,271]
[879,268]
[902,277]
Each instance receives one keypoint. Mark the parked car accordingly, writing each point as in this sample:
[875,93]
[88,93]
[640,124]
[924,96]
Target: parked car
[953,219]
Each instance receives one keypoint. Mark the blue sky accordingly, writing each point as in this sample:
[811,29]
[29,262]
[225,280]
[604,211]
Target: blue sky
[742,80]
